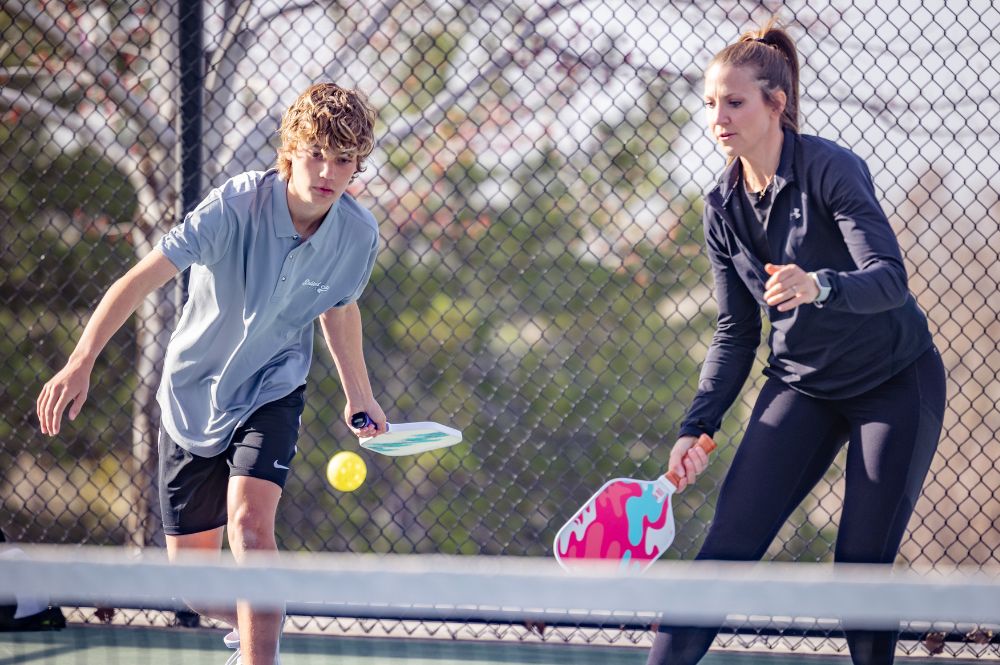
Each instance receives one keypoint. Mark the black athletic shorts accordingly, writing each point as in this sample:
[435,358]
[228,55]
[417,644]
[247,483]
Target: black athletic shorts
[193,489]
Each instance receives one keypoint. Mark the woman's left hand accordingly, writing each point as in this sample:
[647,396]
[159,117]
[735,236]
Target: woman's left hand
[789,287]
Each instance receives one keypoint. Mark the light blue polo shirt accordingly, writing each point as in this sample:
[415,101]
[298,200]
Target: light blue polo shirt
[245,336]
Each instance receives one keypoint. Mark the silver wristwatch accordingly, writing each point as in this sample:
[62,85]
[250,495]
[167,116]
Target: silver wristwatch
[824,288]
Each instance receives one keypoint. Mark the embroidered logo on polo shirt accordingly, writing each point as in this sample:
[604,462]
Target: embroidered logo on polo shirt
[795,213]
[320,288]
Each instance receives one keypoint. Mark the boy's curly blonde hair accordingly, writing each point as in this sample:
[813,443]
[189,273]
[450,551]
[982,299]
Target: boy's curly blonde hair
[334,118]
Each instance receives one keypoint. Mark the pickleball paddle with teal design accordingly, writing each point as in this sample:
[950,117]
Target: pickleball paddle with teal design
[407,438]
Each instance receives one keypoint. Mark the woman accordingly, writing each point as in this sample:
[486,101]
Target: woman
[794,226]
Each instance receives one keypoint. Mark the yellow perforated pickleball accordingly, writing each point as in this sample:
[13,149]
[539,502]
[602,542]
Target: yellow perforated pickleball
[346,471]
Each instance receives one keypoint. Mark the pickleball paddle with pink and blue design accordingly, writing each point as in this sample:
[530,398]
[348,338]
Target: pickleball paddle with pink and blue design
[627,521]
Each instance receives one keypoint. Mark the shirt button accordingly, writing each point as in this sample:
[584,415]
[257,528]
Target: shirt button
[295,237]
[282,278]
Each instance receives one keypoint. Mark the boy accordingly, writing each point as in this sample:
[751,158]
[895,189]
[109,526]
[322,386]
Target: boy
[269,253]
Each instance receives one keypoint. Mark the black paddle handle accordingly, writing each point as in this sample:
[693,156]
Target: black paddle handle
[360,420]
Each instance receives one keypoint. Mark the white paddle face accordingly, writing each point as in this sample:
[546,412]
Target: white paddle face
[412,439]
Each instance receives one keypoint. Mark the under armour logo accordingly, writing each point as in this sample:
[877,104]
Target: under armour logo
[795,213]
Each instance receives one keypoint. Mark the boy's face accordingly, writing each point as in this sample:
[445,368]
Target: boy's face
[319,177]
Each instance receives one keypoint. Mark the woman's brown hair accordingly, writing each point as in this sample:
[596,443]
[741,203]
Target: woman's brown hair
[771,52]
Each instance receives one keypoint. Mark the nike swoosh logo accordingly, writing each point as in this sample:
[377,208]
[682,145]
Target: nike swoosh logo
[279,466]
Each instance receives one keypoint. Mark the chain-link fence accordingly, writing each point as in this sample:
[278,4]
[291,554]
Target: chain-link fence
[542,286]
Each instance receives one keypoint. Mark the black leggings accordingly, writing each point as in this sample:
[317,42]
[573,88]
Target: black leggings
[790,442]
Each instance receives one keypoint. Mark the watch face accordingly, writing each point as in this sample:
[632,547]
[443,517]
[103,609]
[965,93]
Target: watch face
[824,287]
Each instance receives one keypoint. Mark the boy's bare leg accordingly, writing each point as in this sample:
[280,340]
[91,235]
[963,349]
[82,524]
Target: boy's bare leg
[253,505]
[202,542]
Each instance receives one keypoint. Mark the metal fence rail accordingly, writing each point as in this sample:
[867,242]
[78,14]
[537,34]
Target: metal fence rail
[537,179]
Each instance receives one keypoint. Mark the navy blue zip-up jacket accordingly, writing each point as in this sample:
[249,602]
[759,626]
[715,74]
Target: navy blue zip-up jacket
[825,218]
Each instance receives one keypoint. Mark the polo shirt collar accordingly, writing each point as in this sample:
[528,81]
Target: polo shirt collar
[328,221]
[283,227]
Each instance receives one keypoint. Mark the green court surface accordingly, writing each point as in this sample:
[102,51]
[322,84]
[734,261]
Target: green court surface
[106,645]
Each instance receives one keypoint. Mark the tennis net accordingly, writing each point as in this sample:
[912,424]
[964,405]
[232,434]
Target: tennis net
[432,609]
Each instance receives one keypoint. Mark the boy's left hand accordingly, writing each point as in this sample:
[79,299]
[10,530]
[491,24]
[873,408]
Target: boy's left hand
[375,414]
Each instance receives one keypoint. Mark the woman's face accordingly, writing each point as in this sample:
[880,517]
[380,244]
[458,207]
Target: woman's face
[739,118]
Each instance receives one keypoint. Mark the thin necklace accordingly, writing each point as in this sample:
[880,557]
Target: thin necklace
[763,192]
[767,182]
